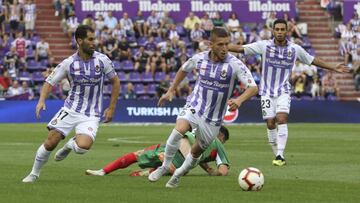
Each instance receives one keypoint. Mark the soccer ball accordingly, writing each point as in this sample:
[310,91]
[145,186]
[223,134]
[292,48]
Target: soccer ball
[251,179]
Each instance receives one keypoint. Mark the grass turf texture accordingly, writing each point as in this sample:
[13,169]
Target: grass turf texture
[323,166]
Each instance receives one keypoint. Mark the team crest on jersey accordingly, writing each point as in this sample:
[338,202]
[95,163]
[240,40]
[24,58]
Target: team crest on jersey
[97,68]
[54,122]
[182,113]
[289,54]
[223,73]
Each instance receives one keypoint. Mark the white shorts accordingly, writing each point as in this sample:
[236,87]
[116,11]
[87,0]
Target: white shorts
[65,120]
[29,25]
[205,132]
[272,105]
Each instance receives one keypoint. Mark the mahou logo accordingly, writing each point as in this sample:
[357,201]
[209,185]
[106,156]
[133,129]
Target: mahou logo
[231,116]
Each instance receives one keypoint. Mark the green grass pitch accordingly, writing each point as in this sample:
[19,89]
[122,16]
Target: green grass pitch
[323,166]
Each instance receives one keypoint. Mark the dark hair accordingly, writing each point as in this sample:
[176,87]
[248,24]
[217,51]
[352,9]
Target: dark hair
[280,21]
[218,32]
[225,131]
[81,31]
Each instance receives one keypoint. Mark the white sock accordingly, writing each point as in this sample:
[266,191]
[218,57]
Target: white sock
[272,139]
[189,162]
[172,145]
[281,139]
[70,144]
[41,157]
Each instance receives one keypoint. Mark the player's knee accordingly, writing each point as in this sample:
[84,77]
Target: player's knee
[82,149]
[223,170]
[52,141]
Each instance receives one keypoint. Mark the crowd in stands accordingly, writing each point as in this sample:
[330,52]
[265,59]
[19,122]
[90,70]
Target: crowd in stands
[146,51]
[349,45]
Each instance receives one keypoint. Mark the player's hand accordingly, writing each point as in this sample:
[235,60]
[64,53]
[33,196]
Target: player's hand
[40,106]
[233,104]
[166,97]
[108,114]
[341,68]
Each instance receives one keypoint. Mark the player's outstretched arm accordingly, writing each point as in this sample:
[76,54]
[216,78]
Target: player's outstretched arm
[221,171]
[109,112]
[247,94]
[236,48]
[45,91]
[339,68]
[180,75]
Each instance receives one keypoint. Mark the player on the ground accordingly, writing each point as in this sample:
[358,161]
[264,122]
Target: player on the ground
[206,106]
[152,157]
[86,71]
[278,58]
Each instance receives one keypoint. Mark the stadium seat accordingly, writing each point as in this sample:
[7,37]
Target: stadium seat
[134,77]
[117,65]
[142,41]
[159,76]
[24,76]
[33,66]
[147,77]
[123,88]
[122,76]
[172,75]
[37,77]
[151,89]
[139,89]
[127,65]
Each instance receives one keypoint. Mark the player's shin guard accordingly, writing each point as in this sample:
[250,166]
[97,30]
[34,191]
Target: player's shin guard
[189,163]
[79,150]
[282,136]
[272,139]
[172,145]
[42,156]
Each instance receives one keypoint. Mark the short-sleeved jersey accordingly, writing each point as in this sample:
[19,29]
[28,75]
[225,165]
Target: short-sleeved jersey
[86,80]
[277,64]
[215,84]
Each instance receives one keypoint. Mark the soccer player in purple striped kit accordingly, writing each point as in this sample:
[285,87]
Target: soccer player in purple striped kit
[278,59]
[86,71]
[206,106]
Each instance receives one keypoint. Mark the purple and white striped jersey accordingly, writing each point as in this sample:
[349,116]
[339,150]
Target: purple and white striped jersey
[215,84]
[277,64]
[86,79]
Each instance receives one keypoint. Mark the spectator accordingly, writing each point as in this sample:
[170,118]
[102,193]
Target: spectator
[15,89]
[190,21]
[150,46]
[265,33]
[110,21]
[153,25]
[173,35]
[42,50]
[89,20]
[5,82]
[233,23]
[57,6]
[166,23]
[351,54]
[124,50]
[71,24]
[139,24]
[127,24]
[161,88]
[12,61]
[355,21]
[141,60]
[118,33]
[196,36]
[218,21]
[329,85]
[206,24]
[27,90]
[299,87]
[254,37]
[271,19]
[3,14]
[29,17]
[130,92]
[15,15]
[110,48]
[99,25]
[20,44]
[5,44]
[315,88]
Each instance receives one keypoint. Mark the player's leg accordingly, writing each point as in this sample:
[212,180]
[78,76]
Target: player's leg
[205,134]
[172,146]
[85,136]
[282,112]
[43,153]
[268,106]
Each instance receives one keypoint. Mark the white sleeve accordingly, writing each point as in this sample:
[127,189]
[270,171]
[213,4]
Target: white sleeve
[218,160]
[109,69]
[58,73]
[303,56]
[189,65]
[243,74]
[254,48]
